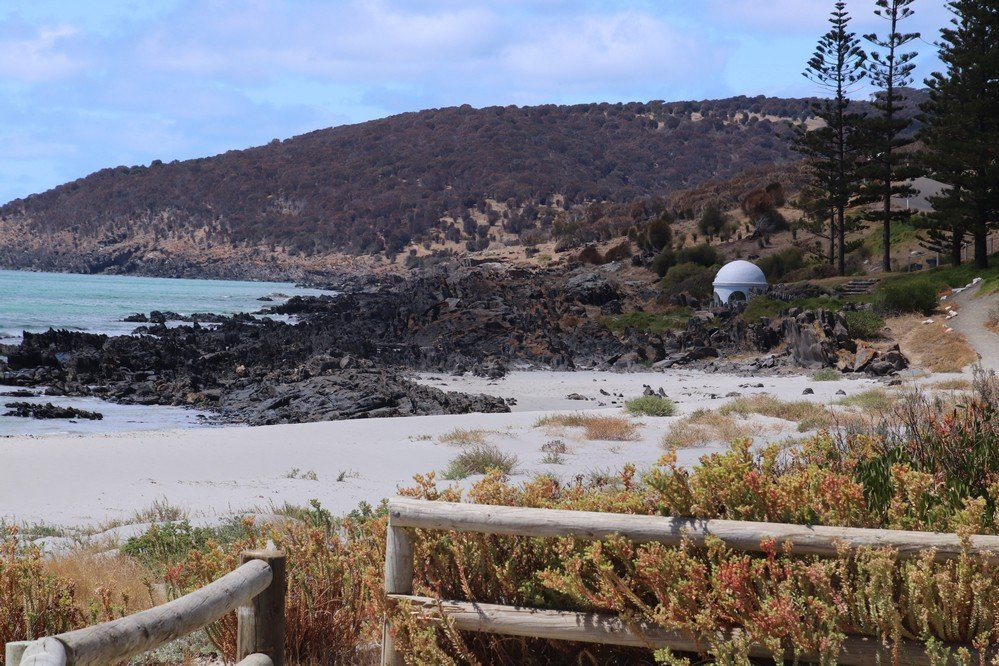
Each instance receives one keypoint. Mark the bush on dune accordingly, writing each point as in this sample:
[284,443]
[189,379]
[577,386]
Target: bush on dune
[650,405]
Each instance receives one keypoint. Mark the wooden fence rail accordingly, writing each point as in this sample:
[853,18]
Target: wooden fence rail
[408,514]
[255,590]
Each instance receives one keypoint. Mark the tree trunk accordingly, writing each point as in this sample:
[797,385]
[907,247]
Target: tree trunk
[832,238]
[955,248]
[981,247]
[886,235]
[841,231]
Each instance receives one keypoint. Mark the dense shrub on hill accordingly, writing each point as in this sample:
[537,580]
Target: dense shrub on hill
[691,278]
[378,185]
[777,265]
[703,255]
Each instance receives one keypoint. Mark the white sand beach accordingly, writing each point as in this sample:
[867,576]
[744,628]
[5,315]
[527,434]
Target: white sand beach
[213,473]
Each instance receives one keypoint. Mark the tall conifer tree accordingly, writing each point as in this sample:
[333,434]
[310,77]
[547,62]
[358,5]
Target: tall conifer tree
[837,67]
[889,70]
[962,129]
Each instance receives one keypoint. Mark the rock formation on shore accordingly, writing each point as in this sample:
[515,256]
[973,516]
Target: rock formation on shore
[349,354]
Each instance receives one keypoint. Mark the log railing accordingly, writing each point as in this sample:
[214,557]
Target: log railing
[408,514]
[255,591]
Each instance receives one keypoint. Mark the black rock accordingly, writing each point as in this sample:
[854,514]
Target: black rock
[49,411]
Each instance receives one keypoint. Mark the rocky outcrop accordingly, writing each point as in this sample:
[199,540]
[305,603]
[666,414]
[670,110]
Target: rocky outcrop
[49,411]
[349,353]
[349,394]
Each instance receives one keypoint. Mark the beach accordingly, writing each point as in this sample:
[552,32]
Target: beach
[216,473]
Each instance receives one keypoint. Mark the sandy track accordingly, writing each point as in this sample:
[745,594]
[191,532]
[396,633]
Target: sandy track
[973,311]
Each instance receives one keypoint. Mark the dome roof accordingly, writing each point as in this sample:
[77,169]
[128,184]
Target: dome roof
[740,272]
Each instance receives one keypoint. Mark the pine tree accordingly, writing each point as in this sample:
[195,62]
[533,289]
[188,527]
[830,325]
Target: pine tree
[962,129]
[888,72]
[834,151]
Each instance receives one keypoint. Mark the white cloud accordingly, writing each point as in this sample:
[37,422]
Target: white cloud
[610,51]
[39,57]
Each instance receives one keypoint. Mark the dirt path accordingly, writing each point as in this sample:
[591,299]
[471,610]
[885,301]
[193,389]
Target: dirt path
[973,310]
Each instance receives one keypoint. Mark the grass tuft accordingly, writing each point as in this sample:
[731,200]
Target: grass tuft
[650,405]
[463,437]
[606,428]
[703,427]
[479,459]
[808,415]
[952,385]
[873,400]
[826,375]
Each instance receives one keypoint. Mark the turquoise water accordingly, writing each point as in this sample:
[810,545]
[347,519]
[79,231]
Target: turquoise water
[96,303]
[35,302]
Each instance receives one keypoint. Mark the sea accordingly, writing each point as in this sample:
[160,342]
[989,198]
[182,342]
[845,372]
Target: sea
[36,301]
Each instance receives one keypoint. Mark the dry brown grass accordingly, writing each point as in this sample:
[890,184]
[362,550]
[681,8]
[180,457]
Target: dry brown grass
[463,437]
[952,385]
[876,399]
[705,426]
[931,346]
[992,320]
[808,415]
[95,574]
[606,428]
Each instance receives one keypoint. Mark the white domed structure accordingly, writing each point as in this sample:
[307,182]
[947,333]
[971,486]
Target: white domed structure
[738,281]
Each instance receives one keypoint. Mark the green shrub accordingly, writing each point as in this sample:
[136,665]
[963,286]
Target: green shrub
[689,277]
[810,272]
[663,261]
[479,460]
[650,405]
[910,295]
[702,254]
[164,545]
[650,322]
[712,221]
[779,264]
[826,375]
[864,323]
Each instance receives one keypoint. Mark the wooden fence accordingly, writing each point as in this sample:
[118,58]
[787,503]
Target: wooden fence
[408,514]
[255,591]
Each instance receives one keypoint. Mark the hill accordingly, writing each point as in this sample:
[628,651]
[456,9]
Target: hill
[436,176]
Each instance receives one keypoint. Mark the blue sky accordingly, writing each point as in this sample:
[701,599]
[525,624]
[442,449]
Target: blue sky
[96,83]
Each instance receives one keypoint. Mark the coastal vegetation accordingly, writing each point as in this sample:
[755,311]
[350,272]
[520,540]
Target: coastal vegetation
[595,427]
[925,464]
[650,405]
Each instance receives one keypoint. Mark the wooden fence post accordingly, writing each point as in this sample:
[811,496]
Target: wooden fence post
[398,580]
[260,625]
[13,652]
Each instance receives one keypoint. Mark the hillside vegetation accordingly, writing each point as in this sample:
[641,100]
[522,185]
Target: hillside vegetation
[432,176]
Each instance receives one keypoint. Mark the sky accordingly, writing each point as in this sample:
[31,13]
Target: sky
[100,83]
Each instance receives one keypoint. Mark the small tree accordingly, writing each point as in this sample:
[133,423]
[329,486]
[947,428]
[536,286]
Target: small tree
[889,71]
[834,151]
[713,221]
